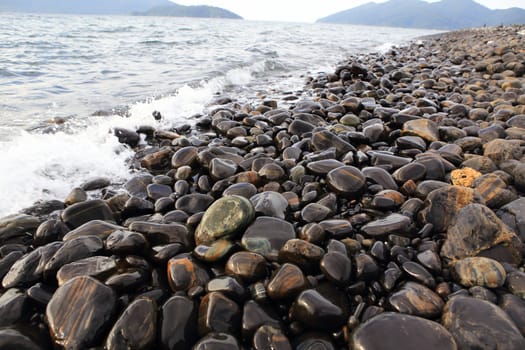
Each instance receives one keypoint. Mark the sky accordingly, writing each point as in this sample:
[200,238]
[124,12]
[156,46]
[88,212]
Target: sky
[307,10]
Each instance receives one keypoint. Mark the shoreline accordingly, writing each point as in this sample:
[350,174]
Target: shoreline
[390,193]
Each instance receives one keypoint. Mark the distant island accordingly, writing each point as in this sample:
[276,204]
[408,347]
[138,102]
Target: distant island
[445,14]
[115,7]
[177,10]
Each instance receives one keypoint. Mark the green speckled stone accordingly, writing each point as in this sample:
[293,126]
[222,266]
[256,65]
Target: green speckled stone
[225,217]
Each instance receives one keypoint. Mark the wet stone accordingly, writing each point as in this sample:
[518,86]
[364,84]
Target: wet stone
[162,253]
[255,315]
[267,235]
[416,299]
[178,329]
[272,172]
[18,225]
[80,213]
[137,185]
[222,168]
[301,253]
[79,312]
[185,273]
[383,332]
[424,128]
[316,312]
[477,231]
[347,181]
[49,231]
[443,203]
[323,167]
[12,338]
[217,341]
[315,212]
[515,308]
[14,307]
[381,177]
[217,313]
[324,139]
[194,203]
[247,266]
[479,271]
[217,251]
[430,260]
[224,218]
[75,249]
[393,223]
[245,190]
[98,267]
[419,273]
[7,262]
[136,328]
[478,324]
[337,268]
[184,156]
[156,191]
[269,337]
[126,242]
[158,234]
[366,268]
[229,286]
[98,228]
[287,282]
[314,341]
[411,171]
[76,195]
[270,204]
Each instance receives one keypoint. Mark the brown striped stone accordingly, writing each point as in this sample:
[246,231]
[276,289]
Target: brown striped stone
[287,282]
[479,271]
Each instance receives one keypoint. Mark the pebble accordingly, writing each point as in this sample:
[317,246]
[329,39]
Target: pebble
[416,299]
[266,236]
[347,181]
[316,312]
[479,271]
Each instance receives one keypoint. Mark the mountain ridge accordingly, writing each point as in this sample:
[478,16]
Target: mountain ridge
[445,14]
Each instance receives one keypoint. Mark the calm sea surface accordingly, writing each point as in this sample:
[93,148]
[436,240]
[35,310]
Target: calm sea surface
[99,72]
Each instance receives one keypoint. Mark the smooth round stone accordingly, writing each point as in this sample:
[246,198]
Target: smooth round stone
[136,186]
[256,315]
[184,156]
[242,189]
[73,250]
[515,307]
[14,307]
[316,312]
[424,188]
[323,167]
[301,253]
[95,184]
[194,203]
[337,268]
[217,251]
[478,324]
[79,312]
[416,299]
[419,273]
[49,231]
[424,128]
[475,231]
[479,271]
[411,171]
[136,206]
[98,228]
[158,234]
[443,203]
[381,177]
[315,212]
[272,172]
[325,139]
[98,267]
[287,282]
[136,328]
[246,265]
[393,331]
[270,203]
[430,260]
[222,168]
[217,341]
[185,273]
[267,235]
[225,217]
[126,242]
[347,181]
[270,337]
[30,268]
[178,329]
[164,204]
[464,177]
[229,286]
[336,228]
[393,223]
[408,142]
[12,338]
[365,267]
[79,213]
[156,191]
[217,313]
[8,261]
[76,195]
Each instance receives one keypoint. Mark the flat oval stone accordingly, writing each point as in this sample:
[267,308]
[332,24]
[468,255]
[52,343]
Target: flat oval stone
[424,128]
[156,191]
[222,168]
[267,235]
[217,251]
[184,156]
[14,307]
[337,268]
[419,273]
[136,328]
[158,234]
[316,312]
[98,228]
[393,223]
[393,331]
[217,341]
[324,166]
[270,203]
[272,172]
[243,189]
[479,324]
[416,299]
[217,313]
[79,312]
[347,181]
[301,253]
[179,323]
[325,139]
[194,203]
[184,273]
[136,186]
[477,231]
[287,282]
[246,265]
[49,231]
[270,337]
[79,213]
[72,250]
[443,203]
[126,242]
[479,271]
[411,171]
[381,177]
[225,217]
[98,267]
[315,212]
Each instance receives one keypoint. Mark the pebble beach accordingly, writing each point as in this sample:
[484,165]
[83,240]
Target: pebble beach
[380,208]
